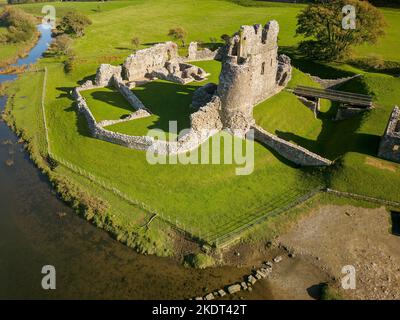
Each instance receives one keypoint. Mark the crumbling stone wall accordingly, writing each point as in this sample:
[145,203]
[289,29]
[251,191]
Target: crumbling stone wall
[97,130]
[288,150]
[105,74]
[208,116]
[161,61]
[186,143]
[182,73]
[194,54]
[128,95]
[346,112]
[145,61]
[251,72]
[389,147]
[333,83]
[312,104]
[203,95]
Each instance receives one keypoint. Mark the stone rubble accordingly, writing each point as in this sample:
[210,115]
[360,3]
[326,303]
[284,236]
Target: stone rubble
[251,279]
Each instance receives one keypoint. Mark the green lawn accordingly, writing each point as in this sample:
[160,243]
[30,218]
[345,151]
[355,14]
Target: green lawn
[107,104]
[209,200]
[285,116]
[167,101]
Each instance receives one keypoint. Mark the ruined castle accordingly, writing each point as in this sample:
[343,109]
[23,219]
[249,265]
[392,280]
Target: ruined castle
[252,71]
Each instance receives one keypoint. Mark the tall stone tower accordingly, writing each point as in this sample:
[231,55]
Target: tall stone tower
[251,72]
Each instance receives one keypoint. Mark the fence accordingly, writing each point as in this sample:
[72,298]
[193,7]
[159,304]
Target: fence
[364,198]
[46,131]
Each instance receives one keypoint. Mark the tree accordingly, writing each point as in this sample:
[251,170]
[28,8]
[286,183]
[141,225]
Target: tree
[20,25]
[178,33]
[323,22]
[225,38]
[70,62]
[135,41]
[74,23]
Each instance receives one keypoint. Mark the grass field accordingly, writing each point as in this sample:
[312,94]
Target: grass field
[209,200]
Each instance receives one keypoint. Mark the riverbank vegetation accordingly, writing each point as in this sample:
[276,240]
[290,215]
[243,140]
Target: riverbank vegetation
[203,201]
[17,34]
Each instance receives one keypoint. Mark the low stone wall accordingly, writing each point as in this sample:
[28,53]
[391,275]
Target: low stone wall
[186,143]
[332,83]
[141,113]
[128,95]
[347,112]
[389,147]
[313,105]
[133,142]
[246,285]
[288,150]
[97,131]
[194,54]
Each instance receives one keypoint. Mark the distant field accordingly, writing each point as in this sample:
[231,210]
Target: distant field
[210,199]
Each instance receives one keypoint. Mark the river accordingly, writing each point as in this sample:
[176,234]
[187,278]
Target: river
[38,229]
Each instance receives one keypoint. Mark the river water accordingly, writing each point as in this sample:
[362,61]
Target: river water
[37,229]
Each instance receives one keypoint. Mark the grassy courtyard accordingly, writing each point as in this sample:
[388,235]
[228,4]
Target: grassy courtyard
[168,102]
[207,200]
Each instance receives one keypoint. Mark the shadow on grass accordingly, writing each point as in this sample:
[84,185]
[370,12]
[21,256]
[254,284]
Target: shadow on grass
[315,68]
[169,101]
[391,68]
[211,45]
[124,49]
[339,137]
[65,92]
[91,78]
[113,98]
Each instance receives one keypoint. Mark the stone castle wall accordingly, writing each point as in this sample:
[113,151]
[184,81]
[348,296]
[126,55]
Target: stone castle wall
[250,73]
[128,95]
[186,143]
[145,61]
[389,147]
[288,150]
[194,54]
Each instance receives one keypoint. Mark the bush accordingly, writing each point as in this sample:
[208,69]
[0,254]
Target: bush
[178,33]
[70,63]
[135,41]
[61,46]
[199,260]
[74,24]
[21,26]
[225,38]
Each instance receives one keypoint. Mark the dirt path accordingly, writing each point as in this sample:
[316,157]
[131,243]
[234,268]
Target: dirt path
[335,236]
